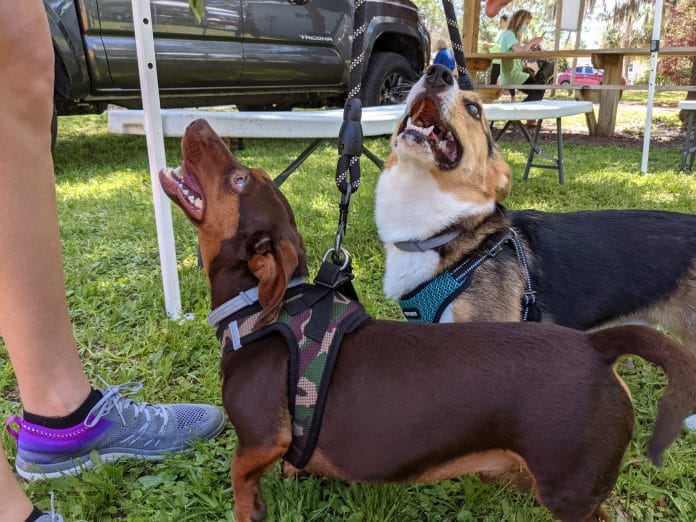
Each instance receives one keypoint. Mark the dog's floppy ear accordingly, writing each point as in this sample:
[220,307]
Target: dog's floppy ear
[272,263]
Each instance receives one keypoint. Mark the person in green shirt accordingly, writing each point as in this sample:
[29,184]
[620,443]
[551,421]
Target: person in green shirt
[494,48]
[511,71]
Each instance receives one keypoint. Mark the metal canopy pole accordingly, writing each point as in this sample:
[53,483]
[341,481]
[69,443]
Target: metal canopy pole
[149,90]
[654,49]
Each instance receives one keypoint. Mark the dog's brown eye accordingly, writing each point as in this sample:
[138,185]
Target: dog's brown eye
[238,178]
[474,110]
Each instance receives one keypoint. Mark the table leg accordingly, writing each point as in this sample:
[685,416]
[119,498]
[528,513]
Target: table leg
[280,178]
[373,157]
[532,150]
[525,131]
[500,133]
[559,150]
[688,142]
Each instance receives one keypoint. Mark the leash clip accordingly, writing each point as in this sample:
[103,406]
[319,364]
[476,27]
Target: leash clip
[335,257]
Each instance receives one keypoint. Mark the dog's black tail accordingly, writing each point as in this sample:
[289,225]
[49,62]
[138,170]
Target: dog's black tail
[678,364]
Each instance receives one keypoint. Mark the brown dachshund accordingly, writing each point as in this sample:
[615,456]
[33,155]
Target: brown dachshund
[414,402]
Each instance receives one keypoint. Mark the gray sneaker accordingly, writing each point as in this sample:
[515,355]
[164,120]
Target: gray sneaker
[50,517]
[690,422]
[116,427]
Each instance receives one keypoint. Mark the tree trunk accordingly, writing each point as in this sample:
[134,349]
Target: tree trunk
[690,95]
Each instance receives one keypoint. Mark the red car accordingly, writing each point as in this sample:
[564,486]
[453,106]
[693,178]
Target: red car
[584,75]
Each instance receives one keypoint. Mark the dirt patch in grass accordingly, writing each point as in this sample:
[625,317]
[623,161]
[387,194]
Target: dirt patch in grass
[667,131]
[663,136]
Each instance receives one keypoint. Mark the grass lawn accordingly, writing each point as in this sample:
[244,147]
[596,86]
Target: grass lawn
[661,97]
[115,296]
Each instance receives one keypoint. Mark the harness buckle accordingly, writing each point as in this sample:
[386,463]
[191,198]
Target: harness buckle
[493,251]
[530,297]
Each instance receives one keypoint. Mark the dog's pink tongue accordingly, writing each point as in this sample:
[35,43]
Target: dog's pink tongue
[190,180]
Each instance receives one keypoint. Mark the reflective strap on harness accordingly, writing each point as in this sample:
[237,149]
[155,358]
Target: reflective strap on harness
[240,301]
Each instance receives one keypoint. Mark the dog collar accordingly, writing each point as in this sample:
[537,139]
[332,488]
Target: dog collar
[427,244]
[242,300]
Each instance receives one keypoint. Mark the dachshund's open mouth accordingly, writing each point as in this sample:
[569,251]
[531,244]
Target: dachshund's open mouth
[424,124]
[182,186]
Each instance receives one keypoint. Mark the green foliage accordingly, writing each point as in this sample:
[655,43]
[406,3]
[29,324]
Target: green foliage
[115,297]
[630,23]
[679,31]
[436,22]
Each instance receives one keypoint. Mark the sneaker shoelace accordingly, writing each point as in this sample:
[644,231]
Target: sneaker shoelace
[114,399]
[54,516]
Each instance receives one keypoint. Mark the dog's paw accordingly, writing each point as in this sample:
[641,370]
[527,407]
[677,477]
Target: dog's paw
[259,514]
[287,471]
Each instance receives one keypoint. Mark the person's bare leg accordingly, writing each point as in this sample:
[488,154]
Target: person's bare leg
[14,504]
[34,320]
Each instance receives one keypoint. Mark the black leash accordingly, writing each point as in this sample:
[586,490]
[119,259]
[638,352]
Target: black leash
[350,138]
[464,78]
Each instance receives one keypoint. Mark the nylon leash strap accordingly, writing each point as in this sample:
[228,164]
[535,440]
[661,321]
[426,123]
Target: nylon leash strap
[464,78]
[350,137]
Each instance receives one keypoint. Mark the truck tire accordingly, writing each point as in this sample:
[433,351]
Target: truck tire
[387,80]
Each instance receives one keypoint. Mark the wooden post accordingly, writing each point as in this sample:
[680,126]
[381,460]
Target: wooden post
[557,42]
[588,95]
[578,38]
[470,25]
[608,99]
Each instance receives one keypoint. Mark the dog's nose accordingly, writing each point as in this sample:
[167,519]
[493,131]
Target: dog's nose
[439,76]
[197,124]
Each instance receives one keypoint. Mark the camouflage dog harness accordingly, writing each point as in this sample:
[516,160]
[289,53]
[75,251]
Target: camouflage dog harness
[313,321]
[427,302]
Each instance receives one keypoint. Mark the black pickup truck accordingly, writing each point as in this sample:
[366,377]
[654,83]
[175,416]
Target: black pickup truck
[257,54]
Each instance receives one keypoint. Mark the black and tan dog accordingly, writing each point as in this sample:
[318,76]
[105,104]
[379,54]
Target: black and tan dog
[409,402]
[438,212]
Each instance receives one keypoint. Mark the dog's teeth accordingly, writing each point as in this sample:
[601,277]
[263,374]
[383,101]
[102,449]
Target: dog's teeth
[176,170]
[409,123]
[428,130]
[442,146]
[186,192]
[191,199]
[449,136]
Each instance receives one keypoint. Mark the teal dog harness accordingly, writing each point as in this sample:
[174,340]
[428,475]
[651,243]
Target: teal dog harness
[427,302]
